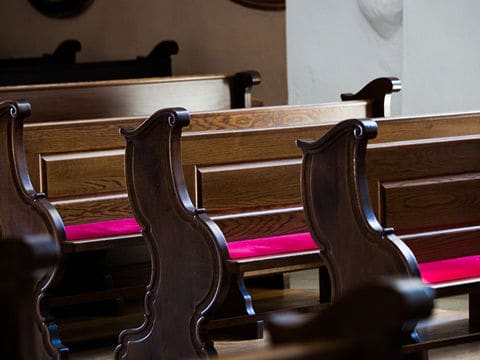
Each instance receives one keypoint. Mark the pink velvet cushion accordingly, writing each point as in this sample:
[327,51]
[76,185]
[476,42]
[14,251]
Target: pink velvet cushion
[102,229]
[271,246]
[238,250]
[450,269]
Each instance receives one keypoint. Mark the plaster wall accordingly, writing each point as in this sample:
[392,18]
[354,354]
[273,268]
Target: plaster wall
[213,36]
[336,46]
[441,69]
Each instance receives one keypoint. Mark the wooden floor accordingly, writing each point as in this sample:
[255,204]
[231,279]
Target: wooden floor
[449,308]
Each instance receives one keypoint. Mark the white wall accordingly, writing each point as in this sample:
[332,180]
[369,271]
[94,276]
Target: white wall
[336,46]
[213,35]
[441,56]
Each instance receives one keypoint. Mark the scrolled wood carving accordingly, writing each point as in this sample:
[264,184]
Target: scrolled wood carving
[186,247]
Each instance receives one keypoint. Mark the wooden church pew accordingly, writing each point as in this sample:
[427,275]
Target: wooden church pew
[24,261]
[61,67]
[426,189]
[57,162]
[248,182]
[24,212]
[62,130]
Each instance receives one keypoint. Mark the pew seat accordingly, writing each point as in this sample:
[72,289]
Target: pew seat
[240,249]
[434,272]
[448,270]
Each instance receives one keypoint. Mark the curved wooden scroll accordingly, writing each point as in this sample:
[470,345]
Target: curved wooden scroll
[379,90]
[354,246]
[23,211]
[187,248]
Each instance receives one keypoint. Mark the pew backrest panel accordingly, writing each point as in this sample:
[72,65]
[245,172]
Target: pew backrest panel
[429,191]
[79,165]
[133,97]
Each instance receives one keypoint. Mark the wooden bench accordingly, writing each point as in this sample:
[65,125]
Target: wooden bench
[61,67]
[60,131]
[79,167]
[427,189]
[23,263]
[248,182]
[207,153]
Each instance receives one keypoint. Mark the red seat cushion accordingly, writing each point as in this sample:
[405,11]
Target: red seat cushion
[432,272]
[238,249]
[450,269]
[102,229]
[271,246]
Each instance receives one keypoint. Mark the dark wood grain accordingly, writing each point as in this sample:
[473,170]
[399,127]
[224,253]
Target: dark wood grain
[173,225]
[23,212]
[427,188]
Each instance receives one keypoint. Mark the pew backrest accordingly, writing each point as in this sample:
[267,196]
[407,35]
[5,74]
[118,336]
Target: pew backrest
[79,165]
[133,97]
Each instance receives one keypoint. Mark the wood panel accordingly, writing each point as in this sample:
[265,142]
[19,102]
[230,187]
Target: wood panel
[419,159]
[436,202]
[101,99]
[101,208]
[249,186]
[456,242]
[83,174]
[429,192]
[257,224]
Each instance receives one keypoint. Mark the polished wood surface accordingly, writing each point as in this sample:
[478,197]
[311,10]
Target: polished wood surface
[214,288]
[434,175]
[24,212]
[133,97]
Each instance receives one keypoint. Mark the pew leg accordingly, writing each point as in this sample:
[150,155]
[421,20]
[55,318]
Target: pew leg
[474,310]
[324,285]
[232,320]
